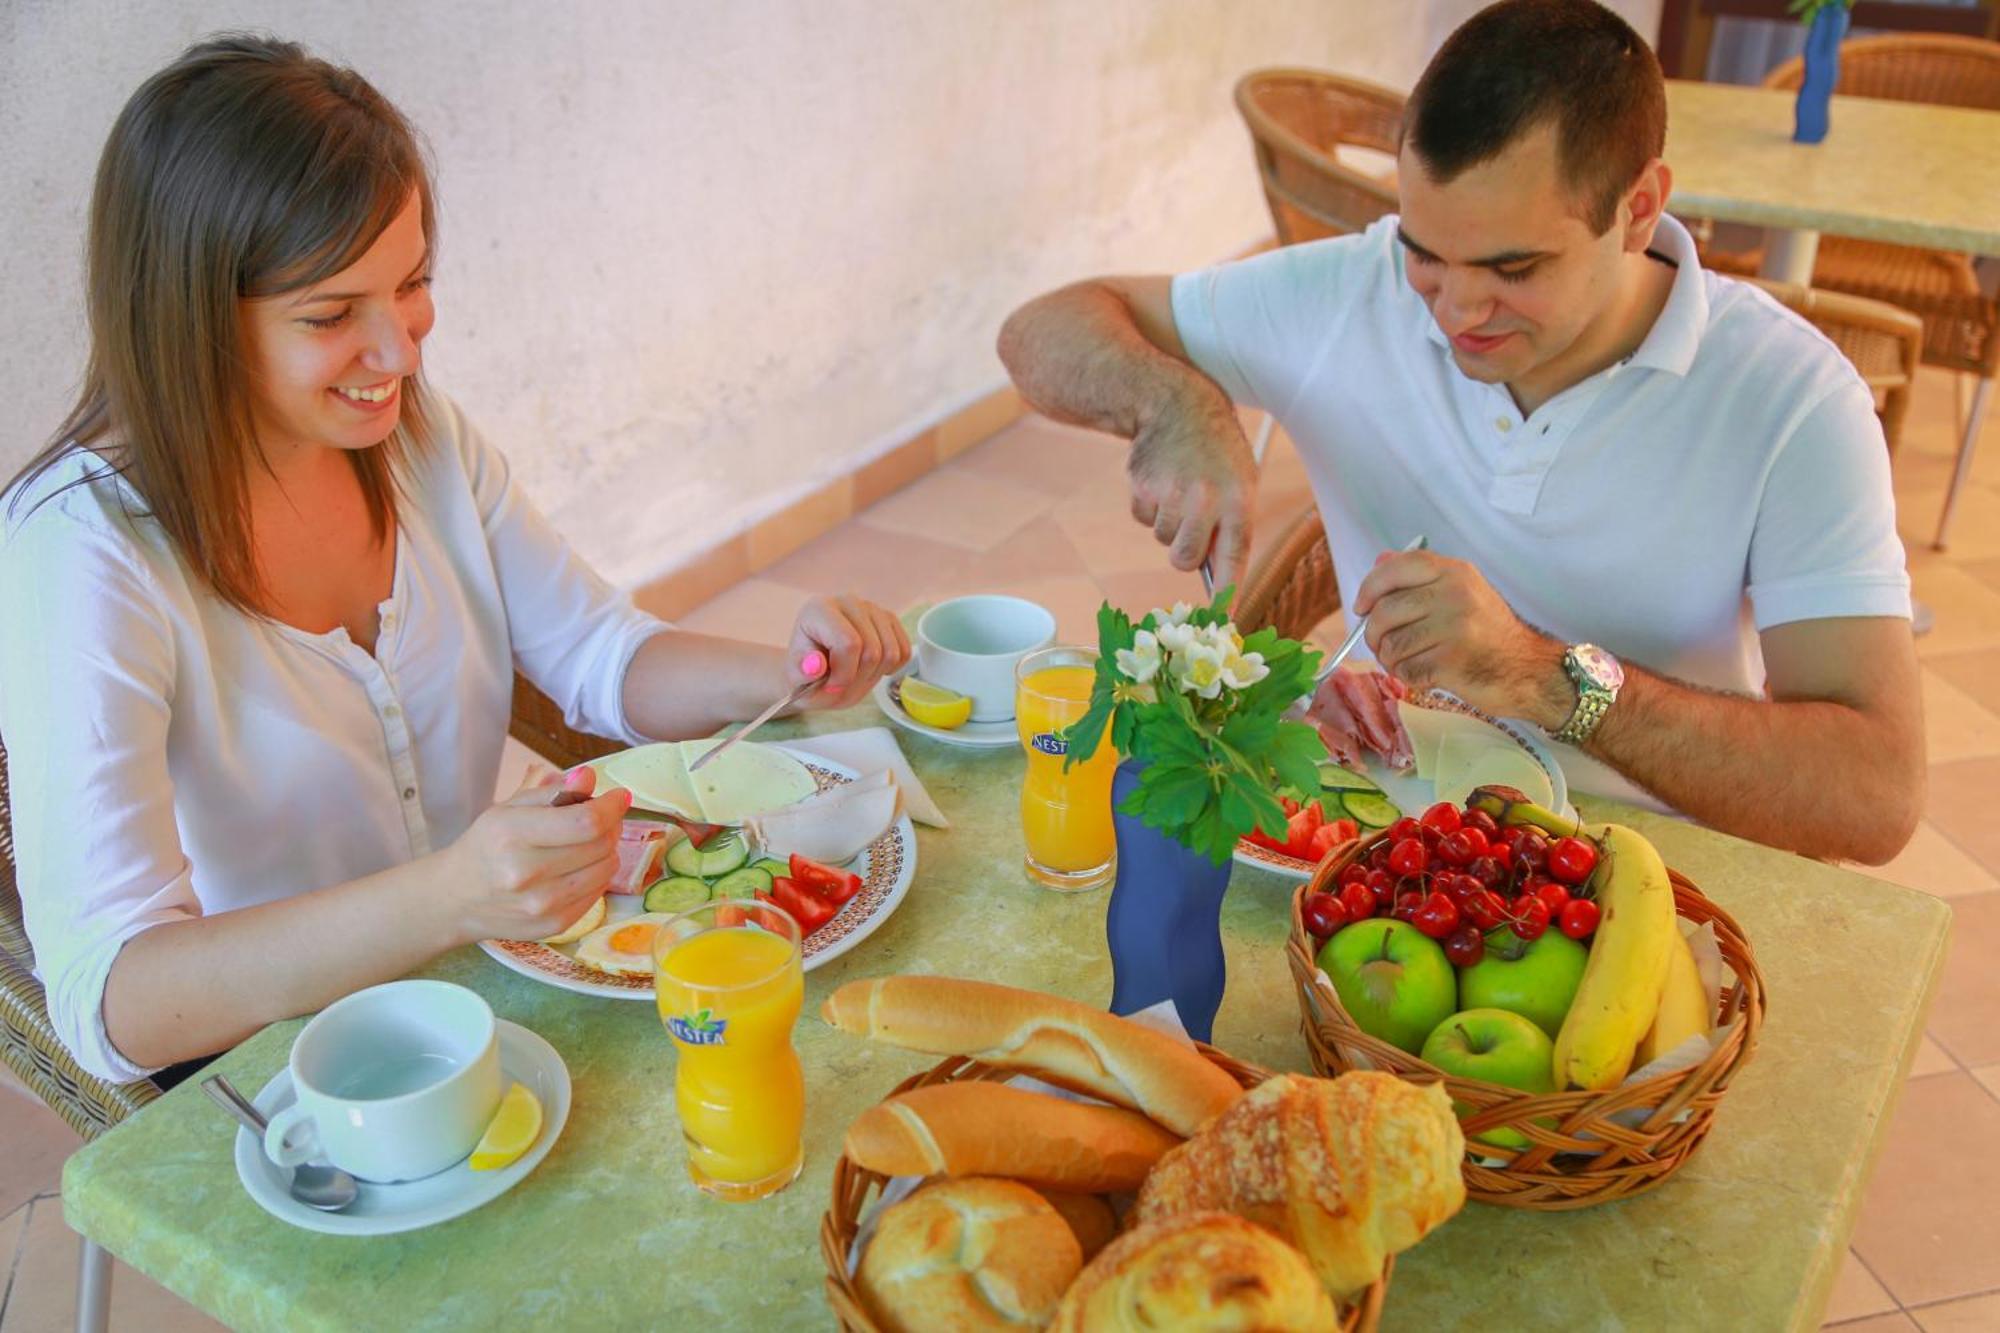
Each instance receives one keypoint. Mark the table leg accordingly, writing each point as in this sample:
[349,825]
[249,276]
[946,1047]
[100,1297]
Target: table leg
[93,1288]
[1788,255]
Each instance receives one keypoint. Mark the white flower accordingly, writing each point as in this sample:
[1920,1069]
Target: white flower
[1242,670]
[1178,638]
[1198,671]
[1140,662]
[1177,616]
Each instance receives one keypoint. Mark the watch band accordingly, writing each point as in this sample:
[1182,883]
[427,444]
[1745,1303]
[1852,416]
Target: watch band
[1593,697]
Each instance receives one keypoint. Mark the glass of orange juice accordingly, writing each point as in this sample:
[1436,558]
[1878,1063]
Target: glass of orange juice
[1066,817]
[729,983]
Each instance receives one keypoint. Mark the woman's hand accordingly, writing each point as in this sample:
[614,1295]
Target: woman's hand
[862,642]
[527,869]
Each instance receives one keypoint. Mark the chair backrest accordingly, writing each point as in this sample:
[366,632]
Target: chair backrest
[1885,343]
[1939,68]
[1298,119]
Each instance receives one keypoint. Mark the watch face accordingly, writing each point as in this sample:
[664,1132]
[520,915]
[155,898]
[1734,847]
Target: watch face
[1601,667]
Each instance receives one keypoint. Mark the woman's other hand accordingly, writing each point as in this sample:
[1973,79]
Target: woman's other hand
[527,868]
[862,641]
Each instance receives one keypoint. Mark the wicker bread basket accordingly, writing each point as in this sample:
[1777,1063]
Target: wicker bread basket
[853,1187]
[1600,1158]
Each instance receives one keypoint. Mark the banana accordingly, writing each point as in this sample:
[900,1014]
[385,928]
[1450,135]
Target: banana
[1508,806]
[1683,1006]
[1620,993]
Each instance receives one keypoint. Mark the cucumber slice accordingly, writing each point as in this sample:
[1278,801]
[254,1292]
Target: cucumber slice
[684,858]
[1332,777]
[723,855]
[1371,809]
[744,882]
[675,893]
[772,866]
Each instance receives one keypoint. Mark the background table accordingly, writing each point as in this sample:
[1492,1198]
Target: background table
[1904,172]
[607,1232]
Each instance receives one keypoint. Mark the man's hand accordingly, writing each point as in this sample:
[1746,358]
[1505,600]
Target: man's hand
[1435,622]
[1194,482]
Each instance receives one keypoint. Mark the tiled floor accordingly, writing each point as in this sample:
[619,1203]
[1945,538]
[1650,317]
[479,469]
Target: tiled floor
[1040,510]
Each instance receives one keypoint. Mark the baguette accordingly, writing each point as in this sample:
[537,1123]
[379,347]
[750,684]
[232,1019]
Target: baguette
[1062,1041]
[977,1128]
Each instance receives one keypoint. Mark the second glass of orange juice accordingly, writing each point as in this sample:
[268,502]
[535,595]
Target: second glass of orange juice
[1065,816]
[729,984]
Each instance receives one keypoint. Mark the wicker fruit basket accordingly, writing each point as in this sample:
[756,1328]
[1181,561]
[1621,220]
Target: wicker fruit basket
[853,1187]
[1577,1154]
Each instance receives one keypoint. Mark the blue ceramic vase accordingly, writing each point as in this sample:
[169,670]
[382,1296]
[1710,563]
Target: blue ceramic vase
[1829,26]
[1164,922]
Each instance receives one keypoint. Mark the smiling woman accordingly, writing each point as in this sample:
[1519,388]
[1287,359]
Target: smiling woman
[266,594]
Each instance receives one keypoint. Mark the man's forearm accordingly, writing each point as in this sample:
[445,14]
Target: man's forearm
[1815,776]
[1078,355]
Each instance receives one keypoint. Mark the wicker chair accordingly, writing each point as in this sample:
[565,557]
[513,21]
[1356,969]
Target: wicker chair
[1291,585]
[1961,323]
[1298,118]
[28,1041]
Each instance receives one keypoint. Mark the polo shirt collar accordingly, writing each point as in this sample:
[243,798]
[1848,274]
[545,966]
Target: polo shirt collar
[1671,343]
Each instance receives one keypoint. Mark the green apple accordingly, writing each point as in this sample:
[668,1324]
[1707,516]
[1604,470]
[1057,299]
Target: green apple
[1494,1046]
[1393,979]
[1536,979]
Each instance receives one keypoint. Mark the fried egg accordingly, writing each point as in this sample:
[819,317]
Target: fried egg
[623,947]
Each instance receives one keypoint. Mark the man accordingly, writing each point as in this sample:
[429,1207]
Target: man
[1658,506]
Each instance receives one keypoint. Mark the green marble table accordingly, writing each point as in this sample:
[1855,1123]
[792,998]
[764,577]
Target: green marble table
[607,1233]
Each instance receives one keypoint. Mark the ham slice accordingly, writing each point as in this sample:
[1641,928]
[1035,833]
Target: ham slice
[641,844]
[1355,711]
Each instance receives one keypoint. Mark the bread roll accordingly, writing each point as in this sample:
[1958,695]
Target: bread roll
[1089,1216]
[1059,1040]
[1350,1170]
[968,1254]
[977,1128]
[1207,1271]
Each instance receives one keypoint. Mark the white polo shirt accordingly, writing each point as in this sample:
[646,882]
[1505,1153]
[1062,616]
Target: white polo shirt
[1730,475]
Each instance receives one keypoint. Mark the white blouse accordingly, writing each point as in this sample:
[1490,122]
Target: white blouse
[169,756]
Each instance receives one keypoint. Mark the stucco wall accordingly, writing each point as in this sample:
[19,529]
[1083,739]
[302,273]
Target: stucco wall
[698,256]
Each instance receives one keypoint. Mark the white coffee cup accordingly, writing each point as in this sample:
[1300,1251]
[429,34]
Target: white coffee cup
[970,645]
[395,1082]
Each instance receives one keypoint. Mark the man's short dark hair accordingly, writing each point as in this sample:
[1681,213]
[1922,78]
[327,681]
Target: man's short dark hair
[1521,64]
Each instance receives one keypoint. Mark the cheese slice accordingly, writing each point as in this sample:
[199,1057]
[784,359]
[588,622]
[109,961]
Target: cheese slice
[657,777]
[748,780]
[1470,759]
[1426,728]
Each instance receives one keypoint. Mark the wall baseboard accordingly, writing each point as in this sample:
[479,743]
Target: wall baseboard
[772,538]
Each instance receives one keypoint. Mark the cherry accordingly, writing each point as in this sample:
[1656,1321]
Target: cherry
[1409,857]
[1352,873]
[1382,884]
[1571,860]
[1555,895]
[1484,822]
[1465,946]
[1531,917]
[1378,856]
[1579,918]
[1359,902]
[1463,847]
[1485,909]
[1323,913]
[1401,829]
[1407,903]
[1488,870]
[1532,851]
[1437,917]
[1444,817]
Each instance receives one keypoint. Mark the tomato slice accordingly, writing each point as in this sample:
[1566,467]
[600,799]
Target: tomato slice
[834,885]
[809,909]
[768,920]
[1325,840]
[1300,829]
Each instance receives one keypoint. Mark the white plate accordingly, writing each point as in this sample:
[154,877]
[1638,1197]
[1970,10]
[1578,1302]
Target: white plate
[1412,794]
[886,869]
[971,736]
[383,1210]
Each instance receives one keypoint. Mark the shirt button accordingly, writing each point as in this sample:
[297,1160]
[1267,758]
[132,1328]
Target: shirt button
[392,711]
[1503,424]
[409,793]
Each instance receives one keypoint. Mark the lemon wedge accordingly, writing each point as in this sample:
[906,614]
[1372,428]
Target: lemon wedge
[512,1130]
[935,706]
[592,918]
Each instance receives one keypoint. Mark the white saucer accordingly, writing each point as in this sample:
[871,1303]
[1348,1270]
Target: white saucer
[383,1210]
[971,736]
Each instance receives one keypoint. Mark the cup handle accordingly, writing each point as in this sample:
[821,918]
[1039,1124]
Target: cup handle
[279,1130]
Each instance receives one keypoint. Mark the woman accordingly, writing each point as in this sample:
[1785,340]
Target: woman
[264,596]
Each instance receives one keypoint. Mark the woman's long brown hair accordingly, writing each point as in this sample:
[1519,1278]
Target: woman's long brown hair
[244,169]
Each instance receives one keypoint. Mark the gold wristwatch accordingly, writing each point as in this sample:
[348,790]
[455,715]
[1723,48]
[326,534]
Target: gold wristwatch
[1598,678]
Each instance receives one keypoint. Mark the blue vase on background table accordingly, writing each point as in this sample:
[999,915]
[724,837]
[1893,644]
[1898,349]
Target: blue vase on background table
[1164,923]
[1822,59]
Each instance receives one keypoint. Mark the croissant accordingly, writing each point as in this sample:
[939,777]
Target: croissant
[1350,1170]
[1206,1271]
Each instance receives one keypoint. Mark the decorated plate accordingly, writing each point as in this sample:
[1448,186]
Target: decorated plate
[886,869]
[1412,794]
